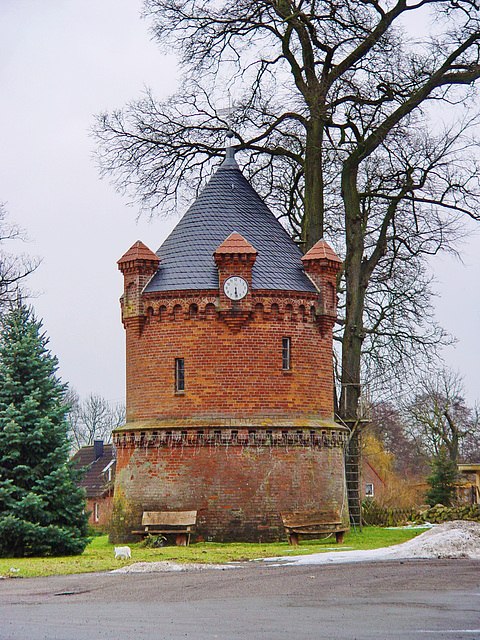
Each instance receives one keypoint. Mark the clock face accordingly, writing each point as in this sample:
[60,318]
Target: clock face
[235,287]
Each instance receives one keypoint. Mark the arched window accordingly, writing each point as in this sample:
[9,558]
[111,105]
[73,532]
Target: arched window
[289,312]
[259,311]
[210,312]
[274,311]
[193,311]
[177,313]
[163,313]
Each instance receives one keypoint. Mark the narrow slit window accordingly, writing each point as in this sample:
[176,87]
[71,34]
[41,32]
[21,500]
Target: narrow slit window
[286,353]
[179,374]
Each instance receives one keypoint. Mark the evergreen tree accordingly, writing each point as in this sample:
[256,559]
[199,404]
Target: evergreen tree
[442,480]
[42,510]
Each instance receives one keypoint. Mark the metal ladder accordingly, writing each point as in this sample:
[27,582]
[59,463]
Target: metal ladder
[353,472]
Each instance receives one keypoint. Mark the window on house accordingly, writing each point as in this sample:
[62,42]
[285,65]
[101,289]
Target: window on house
[286,353]
[108,471]
[96,511]
[179,374]
[369,489]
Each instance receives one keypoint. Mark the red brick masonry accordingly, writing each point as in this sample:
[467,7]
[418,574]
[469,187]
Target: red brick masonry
[246,439]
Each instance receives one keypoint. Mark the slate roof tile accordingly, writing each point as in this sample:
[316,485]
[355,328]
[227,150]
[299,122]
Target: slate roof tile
[228,204]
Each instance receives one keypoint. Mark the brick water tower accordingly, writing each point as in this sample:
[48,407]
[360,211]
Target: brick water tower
[229,372]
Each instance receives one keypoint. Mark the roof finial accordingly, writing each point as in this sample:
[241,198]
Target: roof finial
[227,113]
[229,151]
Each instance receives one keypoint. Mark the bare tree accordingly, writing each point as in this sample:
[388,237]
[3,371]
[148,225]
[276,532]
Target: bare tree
[92,419]
[439,417]
[14,268]
[333,111]
[400,232]
[389,426]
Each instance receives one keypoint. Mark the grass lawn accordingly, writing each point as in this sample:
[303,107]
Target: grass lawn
[99,555]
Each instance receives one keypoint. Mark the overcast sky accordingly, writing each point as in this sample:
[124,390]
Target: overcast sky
[61,62]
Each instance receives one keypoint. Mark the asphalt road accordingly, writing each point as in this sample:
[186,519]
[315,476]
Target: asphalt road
[417,599]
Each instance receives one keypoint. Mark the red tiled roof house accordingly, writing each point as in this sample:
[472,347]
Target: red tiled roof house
[98,462]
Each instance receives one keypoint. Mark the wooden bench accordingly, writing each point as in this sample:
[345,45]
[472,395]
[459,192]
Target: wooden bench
[313,524]
[180,523]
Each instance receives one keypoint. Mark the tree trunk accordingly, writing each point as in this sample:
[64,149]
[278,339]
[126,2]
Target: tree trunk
[312,226]
[352,340]
[353,335]
[454,442]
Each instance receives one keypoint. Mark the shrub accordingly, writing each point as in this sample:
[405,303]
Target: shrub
[375,514]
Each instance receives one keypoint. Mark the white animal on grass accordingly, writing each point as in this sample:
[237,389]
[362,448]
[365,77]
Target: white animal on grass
[123,552]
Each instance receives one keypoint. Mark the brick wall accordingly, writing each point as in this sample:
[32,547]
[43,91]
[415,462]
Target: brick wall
[370,476]
[105,506]
[238,490]
[228,373]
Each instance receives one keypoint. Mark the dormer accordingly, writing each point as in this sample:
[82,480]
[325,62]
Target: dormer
[235,258]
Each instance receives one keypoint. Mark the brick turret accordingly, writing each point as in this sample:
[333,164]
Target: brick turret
[137,265]
[322,265]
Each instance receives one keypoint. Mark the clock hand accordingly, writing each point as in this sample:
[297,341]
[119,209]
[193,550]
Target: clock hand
[236,292]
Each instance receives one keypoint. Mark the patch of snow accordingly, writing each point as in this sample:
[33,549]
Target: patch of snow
[457,539]
[426,525]
[166,566]
[341,548]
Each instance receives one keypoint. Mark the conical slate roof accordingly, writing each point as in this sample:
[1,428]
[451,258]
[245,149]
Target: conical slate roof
[228,204]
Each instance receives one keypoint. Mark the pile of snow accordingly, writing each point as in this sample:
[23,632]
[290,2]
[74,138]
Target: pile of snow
[164,566]
[457,539]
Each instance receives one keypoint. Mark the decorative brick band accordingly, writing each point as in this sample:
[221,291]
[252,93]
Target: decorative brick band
[193,307]
[232,437]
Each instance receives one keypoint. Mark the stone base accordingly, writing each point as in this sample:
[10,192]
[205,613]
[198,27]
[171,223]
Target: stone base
[239,486]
